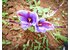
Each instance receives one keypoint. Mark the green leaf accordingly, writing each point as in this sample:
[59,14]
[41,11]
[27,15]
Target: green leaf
[4,14]
[38,2]
[6,42]
[3,42]
[5,22]
[28,0]
[37,42]
[50,13]
[56,23]
[59,36]
[15,17]
[60,47]
[4,1]
[34,10]
[15,29]
[44,38]
[40,12]
[32,45]
[31,29]
[39,35]
[46,43]
[48,49]
[31,7]
[35,2]
[24,46]
[39,46]
[16,46]
[35,47]
[46,9]
[28,43]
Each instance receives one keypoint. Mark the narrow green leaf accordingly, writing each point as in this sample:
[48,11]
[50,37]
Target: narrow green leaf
[37,42]
[4,15]
[6,42]
[15,29]
[59,36]
[28,42]
[44,38]
[4,1]
[35,47]
[39,46]
[24,46]
[5,22]
[31,29]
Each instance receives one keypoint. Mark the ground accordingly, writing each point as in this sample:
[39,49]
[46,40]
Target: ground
[18,36]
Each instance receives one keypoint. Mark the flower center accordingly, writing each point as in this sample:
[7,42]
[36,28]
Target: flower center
[40,24]
[20,14]
[29,20]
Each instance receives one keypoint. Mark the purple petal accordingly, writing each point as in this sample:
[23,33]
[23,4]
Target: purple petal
[40,29]
[25,25]
[26,14]
[48,26]
[43,26]
[34,16]
[27,18]
[22,13]
[42,20]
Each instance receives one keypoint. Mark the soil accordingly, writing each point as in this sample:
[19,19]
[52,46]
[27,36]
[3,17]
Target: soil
[12,6]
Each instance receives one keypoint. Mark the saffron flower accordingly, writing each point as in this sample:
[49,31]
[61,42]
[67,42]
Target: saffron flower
[27,18]
[43,25]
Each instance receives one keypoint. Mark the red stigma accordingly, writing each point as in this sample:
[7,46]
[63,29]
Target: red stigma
[20,14]
[47,24]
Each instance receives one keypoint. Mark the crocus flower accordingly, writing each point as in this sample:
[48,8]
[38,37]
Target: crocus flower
[27,18]
[43,25]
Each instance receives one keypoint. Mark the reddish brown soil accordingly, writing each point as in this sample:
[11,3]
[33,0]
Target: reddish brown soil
[13,35]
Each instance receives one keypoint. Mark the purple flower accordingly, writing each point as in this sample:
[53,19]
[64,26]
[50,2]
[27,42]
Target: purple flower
[43,26]
[27,18]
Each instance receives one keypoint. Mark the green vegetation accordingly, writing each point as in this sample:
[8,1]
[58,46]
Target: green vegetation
[6,42]
[36,45]
[4,1]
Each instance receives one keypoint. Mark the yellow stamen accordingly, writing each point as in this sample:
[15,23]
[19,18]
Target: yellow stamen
[29,19]
[39,24]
